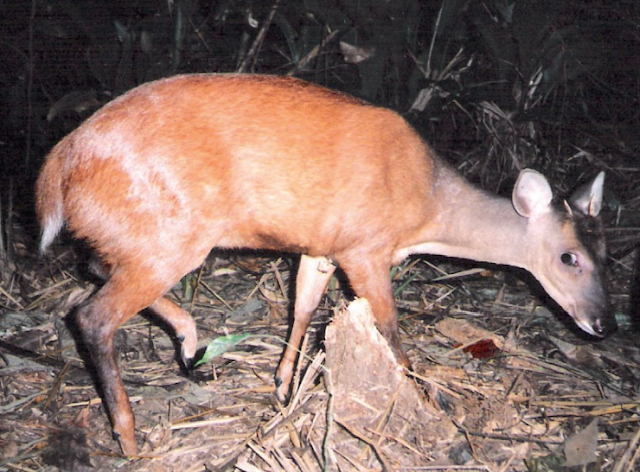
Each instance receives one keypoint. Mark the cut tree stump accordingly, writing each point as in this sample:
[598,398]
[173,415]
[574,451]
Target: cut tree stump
[381,418]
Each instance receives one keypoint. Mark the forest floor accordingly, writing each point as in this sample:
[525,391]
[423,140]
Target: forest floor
[499,382]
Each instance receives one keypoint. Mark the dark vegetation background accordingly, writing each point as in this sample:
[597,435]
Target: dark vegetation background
[494,85]
[543,83]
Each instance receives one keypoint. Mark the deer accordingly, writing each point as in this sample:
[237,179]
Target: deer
[173,169]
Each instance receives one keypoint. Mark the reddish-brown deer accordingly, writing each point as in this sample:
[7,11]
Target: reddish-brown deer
[172,169]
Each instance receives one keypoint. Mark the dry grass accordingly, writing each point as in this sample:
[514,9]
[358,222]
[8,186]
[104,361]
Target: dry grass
[512,410]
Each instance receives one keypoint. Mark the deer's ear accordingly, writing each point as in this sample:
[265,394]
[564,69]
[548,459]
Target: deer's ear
[588,198]
[532,194]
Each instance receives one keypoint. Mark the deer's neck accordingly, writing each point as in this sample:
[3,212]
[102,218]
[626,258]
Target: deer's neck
[469,223]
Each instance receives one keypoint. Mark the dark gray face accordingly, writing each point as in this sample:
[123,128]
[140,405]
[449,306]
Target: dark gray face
[596,308]
[590,232]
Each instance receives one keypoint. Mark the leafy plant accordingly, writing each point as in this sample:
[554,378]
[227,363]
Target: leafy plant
[221,345]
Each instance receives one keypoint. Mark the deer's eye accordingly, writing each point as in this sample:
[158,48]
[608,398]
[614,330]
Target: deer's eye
[569,259]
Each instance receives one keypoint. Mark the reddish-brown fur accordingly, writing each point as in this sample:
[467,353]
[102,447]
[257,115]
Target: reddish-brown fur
[160,176]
